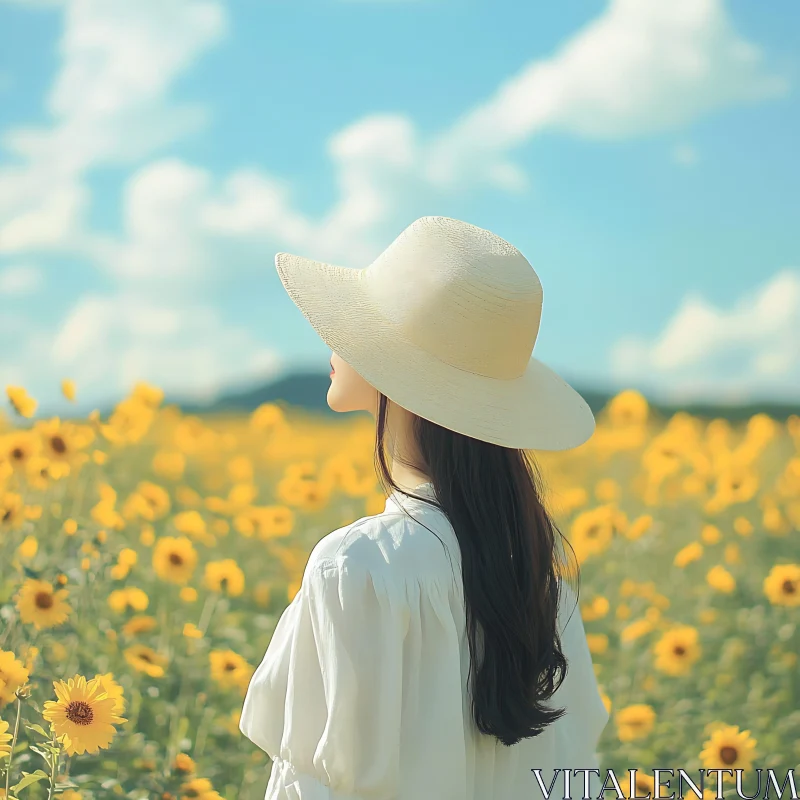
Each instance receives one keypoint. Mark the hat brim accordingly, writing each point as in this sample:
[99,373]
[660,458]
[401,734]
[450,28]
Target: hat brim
[537,411]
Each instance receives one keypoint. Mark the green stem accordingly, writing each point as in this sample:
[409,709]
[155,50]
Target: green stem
[13,744]
[207,613]
[53,769]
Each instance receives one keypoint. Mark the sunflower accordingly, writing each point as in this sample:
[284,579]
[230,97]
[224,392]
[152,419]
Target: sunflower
[12,510]
[596,609]
[113,690]
[690,552]
[104,512]
[729,748]
[225,576]
[710,534]
[141,623]
[192,524]
[37,473]
[174,559]
[592,531]
[629,407]
[642,784]
[782,585]
[129,422]
[267,417]
[184,763]
[199,789]
[598,643]
[145,659]
[149,501]
[665,455]
[18,448]
[63,443]
[635,630]
[641,525]
[5,738]
[120,600]
[42,606]
[13,675]
[275,521]
[23,404]
[83,714]
[720,579]
[735,485]
[229,669]
[634,721]
[677,650]
[300,490]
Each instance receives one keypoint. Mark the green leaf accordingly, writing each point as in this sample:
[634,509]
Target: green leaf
[64,785]
[39,729]
[30,778]
[30,573]
[43,753]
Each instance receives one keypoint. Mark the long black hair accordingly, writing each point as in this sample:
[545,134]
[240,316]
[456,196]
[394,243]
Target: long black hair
[492,496]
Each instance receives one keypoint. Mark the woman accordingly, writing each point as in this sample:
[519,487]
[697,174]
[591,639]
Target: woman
[434,650]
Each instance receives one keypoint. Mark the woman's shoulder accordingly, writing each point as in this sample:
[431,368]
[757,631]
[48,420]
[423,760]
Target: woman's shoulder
[390,545]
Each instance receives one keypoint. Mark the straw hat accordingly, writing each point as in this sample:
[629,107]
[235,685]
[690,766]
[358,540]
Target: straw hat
[443,322]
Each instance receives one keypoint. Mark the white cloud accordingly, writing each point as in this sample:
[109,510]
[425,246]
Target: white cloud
[108,106]
[20,279]
[751,349]
[108,342]
[642,67]
[161,211]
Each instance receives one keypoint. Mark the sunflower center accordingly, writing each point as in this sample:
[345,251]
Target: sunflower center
[7,515]
[174,558]
[80,713]
[17,454]
[788,586]
[735,485]
[728,754]
[679,650]
[58,444]
[223,584]
[44,600]
[230,666]
[593,531]
[146,657]
[190,792]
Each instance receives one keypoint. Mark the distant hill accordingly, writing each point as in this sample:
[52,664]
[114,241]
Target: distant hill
[308,391]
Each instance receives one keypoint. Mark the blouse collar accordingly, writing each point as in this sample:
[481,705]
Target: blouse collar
[425,489]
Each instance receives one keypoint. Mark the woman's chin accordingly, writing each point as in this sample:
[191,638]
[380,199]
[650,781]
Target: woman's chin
[334,401]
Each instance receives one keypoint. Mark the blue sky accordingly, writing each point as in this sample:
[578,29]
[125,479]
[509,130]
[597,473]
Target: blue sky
[155,156]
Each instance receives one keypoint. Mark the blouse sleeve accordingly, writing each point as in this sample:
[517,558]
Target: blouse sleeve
[586,716]
[326,701]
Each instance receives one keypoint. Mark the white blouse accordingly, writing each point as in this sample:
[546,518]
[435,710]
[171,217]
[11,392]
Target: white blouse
[362,693]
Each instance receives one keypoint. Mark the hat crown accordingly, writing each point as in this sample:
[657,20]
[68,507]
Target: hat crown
[462,294]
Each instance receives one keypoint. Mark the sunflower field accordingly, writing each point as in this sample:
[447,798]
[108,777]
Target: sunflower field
[146,557]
